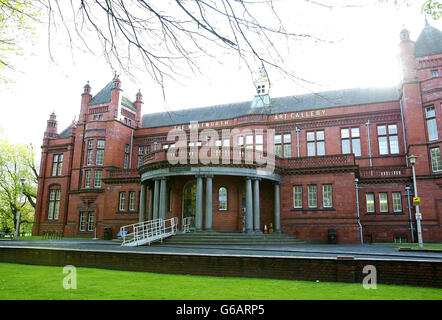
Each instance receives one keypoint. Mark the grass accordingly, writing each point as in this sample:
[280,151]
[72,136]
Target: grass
[33,238]
[45,282]
[412,245]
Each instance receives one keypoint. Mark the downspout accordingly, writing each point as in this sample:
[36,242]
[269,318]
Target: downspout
[369,143]
[357,209]
[403,132]
[297,140]
[131,145]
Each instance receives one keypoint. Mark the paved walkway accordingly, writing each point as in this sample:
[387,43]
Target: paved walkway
[298,250]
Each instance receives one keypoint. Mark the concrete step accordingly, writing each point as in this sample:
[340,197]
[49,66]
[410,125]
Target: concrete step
[231,238]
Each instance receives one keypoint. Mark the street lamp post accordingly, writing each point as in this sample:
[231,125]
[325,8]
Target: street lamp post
[17,228]
[418,214]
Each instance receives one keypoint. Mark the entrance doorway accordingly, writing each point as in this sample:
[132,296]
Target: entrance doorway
[189,202]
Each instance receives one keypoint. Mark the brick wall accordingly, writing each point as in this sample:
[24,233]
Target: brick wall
[389,271]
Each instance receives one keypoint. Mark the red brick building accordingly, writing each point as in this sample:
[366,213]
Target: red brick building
[341,160]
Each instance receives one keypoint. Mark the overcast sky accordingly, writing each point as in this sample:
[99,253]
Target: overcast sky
[365,56]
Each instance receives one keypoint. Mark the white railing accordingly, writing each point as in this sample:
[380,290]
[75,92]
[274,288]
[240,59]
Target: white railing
[186,224]
[148,231]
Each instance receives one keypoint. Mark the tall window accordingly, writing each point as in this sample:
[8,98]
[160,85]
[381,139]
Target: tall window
[259,142]
[383,202]
[327,197]
[283,145]
[126,156]
[351,142]
[57,164]
[430,115]
[140,155]
[397,202]
[54,204]
[87,221]
[315,143]
[131,200]
[388,139]
[122,202]
[222,199]
[90,152]
[82,224]
[312,196]
[249,142]
[87,179]
[369,199]
[97,178]
[297,197]
[90,221]
[436,163]
[100,152]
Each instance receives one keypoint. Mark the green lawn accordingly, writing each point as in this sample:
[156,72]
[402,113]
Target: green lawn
[43,282]
[412,245]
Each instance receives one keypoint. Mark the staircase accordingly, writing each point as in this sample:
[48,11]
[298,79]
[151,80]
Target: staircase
[147,232]
[232,239]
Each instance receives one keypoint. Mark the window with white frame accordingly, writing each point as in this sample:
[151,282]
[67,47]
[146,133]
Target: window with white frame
[430,116]
[283,145]
[100,152]
[54,204]
[312,196]
[131,200]
[383,202]
[91,221]
[90,152]
[397,201]
[436,163]
[369,200]
[297,197]
[87,179]
[57,164]
[388,139]
[122,202]
[259,142]
[351,142]
[315,143]
[327,196]
[82,224]
[97,178]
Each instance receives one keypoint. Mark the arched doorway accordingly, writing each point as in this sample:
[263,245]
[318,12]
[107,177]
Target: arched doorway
[189,202]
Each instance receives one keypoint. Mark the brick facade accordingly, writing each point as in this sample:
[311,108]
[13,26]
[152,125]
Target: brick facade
[112,137]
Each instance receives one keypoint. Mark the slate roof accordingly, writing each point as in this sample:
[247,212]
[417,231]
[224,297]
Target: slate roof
[429,42]
[104,96]
[66,132]
[313,101]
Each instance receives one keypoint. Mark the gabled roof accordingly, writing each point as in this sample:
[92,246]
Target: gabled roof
[104,96]
[313,101]
[66,132]
[429,42]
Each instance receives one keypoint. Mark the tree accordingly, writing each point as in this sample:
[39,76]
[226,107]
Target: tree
[15,164]
[16,17]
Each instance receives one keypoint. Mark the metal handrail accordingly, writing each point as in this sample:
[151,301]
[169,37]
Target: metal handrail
[152,230]
[186,224]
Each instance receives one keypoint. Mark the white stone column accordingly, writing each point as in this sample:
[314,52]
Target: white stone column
[249,206]
[209,203]
[142,206]
[256,211]
[199,204]
[277,209]
[156,196]
[163,198]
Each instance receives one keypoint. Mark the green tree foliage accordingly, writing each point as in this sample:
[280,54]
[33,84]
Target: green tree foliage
[16,17]
[17,163]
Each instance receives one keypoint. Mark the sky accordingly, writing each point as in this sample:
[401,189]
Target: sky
[364,55]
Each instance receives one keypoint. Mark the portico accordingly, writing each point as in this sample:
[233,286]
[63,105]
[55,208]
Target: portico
[162,182]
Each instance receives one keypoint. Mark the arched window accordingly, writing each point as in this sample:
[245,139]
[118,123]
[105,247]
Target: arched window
[54,203]
[222,199]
